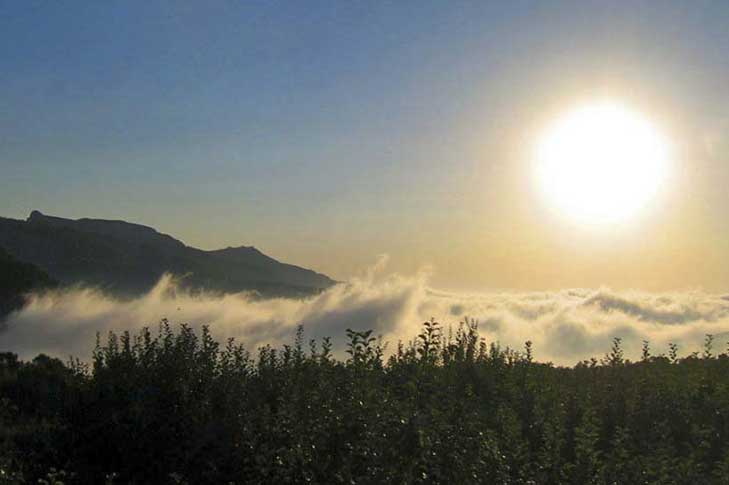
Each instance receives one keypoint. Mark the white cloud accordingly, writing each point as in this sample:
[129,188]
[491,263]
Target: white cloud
[565,326]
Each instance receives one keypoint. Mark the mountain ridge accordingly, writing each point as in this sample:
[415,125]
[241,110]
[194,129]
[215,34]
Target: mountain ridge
[127,259]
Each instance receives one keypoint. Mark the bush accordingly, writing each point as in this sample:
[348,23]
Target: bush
[175,406]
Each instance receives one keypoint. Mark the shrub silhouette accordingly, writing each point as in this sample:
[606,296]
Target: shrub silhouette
[176,406]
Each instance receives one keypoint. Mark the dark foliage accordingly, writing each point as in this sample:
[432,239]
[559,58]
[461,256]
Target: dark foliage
[175,406]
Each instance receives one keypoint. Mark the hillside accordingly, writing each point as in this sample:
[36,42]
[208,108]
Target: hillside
[127,259]
[16,280]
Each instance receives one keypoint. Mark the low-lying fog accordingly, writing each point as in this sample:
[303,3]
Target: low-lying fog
[564,326]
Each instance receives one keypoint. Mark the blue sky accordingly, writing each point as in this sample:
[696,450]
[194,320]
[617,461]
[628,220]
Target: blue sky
[326,133]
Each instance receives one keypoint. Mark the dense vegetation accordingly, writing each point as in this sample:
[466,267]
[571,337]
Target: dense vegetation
[176,407]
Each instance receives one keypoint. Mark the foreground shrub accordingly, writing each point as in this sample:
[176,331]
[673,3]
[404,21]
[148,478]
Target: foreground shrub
[175,406]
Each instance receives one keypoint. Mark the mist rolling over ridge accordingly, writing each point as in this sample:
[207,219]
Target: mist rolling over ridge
[565,326]
[364,242]
[118,276]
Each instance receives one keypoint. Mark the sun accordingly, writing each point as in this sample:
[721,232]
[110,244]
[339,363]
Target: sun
[601,163]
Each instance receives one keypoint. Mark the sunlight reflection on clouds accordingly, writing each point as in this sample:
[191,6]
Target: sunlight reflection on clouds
[565,326]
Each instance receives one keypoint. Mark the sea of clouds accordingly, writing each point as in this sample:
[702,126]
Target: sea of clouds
[565,326]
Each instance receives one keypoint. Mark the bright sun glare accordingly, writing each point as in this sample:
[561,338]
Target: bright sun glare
[601,163]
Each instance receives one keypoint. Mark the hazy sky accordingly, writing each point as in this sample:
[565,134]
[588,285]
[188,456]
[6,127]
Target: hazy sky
[326,133]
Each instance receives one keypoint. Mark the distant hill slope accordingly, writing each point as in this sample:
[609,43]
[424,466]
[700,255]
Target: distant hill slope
[128,259]
[16,280]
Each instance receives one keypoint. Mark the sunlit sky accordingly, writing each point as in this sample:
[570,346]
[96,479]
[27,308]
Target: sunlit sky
[327,133]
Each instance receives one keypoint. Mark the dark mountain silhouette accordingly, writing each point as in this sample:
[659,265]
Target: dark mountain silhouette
[128,259]
[17,279]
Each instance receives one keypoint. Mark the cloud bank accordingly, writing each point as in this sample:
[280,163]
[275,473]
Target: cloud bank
[565,326]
